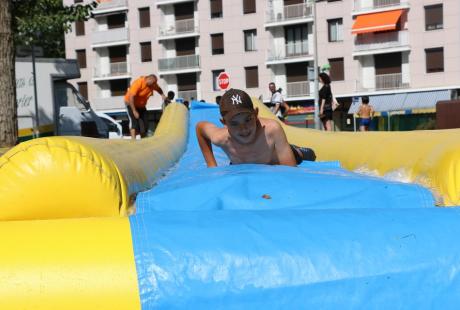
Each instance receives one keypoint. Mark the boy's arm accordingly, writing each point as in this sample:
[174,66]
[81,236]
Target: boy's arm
[203,134]
[282,148]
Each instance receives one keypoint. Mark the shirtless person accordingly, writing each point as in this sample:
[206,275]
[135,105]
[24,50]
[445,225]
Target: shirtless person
[366,113]
[246,138]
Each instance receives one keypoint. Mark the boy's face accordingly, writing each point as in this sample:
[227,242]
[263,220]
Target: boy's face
[242,126]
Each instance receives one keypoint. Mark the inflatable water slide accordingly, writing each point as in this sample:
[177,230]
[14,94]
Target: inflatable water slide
[96,224]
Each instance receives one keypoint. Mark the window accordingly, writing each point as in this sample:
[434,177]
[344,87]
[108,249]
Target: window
[144,17]
[335,30]
[337,70]
[116,21]
[434,60]
[81,58]
[296,41]
[216,8]
[80,28]
[249,6]
[118,87]
[252,77]
[83,89]
[215,74]
[250,40]
[77,1]
[185,46]
[217,43]
[433,17]
[146,51]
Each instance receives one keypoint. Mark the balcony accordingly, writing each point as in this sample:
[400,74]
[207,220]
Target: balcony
[188,95]
[298,89]
[115,70]
[108,103]
[109,6]
[289,53]
[179,29]
[381,42]
[279,14]
[385,82]
[179,64]
[366,6]
[390,81]
[109,37]
[169,2]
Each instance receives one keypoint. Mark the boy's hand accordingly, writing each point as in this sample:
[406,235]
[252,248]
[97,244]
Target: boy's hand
[204,131]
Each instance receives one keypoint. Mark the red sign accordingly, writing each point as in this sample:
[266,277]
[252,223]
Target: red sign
[223,80]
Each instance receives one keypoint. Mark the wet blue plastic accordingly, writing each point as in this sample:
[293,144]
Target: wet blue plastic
[316,236]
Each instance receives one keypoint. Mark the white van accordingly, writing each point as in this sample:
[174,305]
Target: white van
[59,108]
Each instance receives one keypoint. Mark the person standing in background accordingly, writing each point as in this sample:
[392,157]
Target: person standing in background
[136,98]
[366,113]
[325,101]
[277,104]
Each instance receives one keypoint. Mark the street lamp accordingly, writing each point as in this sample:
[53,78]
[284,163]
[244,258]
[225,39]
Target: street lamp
[37,117]
[315,64]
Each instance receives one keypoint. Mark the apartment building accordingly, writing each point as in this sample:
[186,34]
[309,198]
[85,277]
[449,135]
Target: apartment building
[405,54]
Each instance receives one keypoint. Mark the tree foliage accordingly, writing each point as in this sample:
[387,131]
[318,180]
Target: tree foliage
[44,23]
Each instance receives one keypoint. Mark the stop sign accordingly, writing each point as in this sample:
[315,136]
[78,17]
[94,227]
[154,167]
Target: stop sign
[223,80]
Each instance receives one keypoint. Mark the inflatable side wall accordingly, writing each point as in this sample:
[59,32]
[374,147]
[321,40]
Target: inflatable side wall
[428,157]
[68,177]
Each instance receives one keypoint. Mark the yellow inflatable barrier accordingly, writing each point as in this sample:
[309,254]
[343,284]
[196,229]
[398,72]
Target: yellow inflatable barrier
[68,264]
[68,177]
[430,158]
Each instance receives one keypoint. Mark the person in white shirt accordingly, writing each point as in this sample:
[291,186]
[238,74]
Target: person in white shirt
[277,103]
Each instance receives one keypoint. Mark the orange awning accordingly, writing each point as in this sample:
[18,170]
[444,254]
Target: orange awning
[376,22]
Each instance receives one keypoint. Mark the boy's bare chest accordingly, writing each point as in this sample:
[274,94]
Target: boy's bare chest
[260,152]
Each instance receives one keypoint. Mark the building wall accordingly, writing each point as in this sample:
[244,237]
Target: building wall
[358,70]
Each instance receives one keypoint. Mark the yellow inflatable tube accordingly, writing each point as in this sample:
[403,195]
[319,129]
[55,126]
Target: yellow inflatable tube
[68,177]
[430,158]
[68,264]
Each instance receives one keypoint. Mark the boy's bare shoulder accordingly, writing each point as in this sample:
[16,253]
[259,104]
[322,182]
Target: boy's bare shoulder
[270,125]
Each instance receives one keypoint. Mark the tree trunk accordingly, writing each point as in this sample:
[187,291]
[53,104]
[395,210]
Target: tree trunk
[8,109]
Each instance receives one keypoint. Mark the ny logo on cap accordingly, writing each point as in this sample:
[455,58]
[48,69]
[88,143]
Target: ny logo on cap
[236,99]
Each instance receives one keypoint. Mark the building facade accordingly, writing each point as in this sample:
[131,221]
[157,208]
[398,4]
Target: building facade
[379,48]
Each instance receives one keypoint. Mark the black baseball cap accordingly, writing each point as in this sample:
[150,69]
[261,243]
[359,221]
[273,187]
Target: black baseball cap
[235,101]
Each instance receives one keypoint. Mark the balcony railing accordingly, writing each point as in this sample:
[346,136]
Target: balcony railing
[114,69]
[179,63]
[105,5]
[168,2]
[389,81]
[282,13]
[288,51]
[179,27]
[298,89]
[188,95]
[365,5]
[382,40]
[109,36]
[109,103]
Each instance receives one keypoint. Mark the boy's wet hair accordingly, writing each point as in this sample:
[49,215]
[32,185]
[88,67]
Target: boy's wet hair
[365,99]
[235,101]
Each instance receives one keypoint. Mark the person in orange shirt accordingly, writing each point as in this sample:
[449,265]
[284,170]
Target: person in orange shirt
[136,100]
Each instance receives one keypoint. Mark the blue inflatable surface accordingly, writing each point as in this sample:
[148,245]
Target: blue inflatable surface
[315,236]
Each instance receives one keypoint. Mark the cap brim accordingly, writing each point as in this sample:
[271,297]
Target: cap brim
[235,112]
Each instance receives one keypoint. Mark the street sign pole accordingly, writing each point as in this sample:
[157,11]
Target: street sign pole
[37,118]
[315,64]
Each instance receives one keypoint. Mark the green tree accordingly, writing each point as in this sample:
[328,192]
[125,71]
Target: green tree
[46,22]
[23,22]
